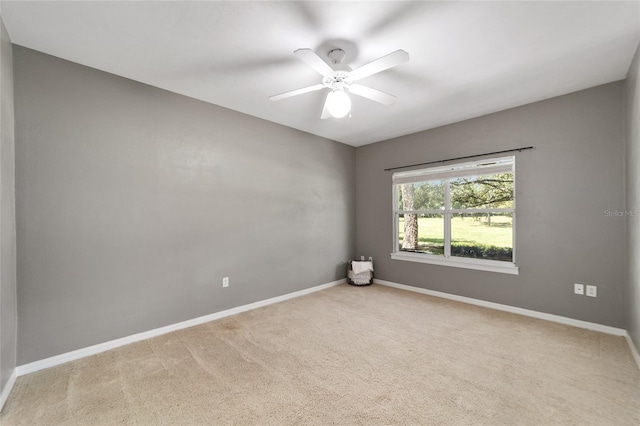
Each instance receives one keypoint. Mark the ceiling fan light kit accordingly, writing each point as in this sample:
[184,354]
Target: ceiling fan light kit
[338,103]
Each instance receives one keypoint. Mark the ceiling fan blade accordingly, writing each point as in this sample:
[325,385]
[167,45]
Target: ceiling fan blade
[296,92]
[391,60]
[314,61]
[325,109]
[373,94]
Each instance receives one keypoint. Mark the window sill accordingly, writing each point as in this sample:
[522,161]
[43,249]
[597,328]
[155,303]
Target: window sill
[481,265]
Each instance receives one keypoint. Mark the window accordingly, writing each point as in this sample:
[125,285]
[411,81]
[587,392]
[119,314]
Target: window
[460,215]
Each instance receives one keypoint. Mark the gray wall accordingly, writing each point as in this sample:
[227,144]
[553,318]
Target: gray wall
[563,188]
[633,197]
[133,203]
[8,306]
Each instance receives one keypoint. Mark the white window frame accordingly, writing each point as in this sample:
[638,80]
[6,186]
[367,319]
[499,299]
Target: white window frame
[485,166]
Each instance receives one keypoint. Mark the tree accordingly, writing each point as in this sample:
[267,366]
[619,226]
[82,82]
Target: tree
[418,196]
[492,191]
[410,240]
[429,195]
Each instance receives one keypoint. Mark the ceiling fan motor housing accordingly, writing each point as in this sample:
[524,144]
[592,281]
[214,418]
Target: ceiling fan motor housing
[338,81]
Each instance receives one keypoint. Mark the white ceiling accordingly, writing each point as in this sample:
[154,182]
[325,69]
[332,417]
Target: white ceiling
[467,58]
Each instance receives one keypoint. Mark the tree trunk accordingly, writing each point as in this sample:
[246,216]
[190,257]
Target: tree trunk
[410,220]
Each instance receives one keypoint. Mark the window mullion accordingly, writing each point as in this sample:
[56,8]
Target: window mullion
[495,210]
[447,219]
[420,211]
[395,215]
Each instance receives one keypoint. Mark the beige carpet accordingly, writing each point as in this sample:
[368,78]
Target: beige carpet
[346,355]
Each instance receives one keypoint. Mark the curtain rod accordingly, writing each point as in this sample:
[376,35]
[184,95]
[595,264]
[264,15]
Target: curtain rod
[461,158]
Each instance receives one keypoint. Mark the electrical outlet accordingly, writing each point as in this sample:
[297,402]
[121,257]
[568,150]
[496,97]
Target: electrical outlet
[592,291]
[225,282]
[578,288]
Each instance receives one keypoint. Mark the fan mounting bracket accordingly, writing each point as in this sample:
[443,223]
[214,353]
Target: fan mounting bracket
[336,55]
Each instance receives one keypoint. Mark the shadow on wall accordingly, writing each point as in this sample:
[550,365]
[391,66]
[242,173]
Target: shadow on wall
[341,270]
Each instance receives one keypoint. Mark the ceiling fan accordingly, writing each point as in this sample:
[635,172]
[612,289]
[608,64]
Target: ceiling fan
[341,82]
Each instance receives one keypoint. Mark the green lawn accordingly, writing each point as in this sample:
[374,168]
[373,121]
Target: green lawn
[468,231]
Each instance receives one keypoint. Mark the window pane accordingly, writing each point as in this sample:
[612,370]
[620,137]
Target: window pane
[421,195]
[486,191]
[482,236]
[422,233]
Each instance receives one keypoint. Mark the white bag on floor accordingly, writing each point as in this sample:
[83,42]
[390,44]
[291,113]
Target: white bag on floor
[360,272]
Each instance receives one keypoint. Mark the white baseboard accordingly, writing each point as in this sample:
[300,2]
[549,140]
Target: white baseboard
[506,308]
[102,347]
[633,349]
[526,312]
[4,395]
